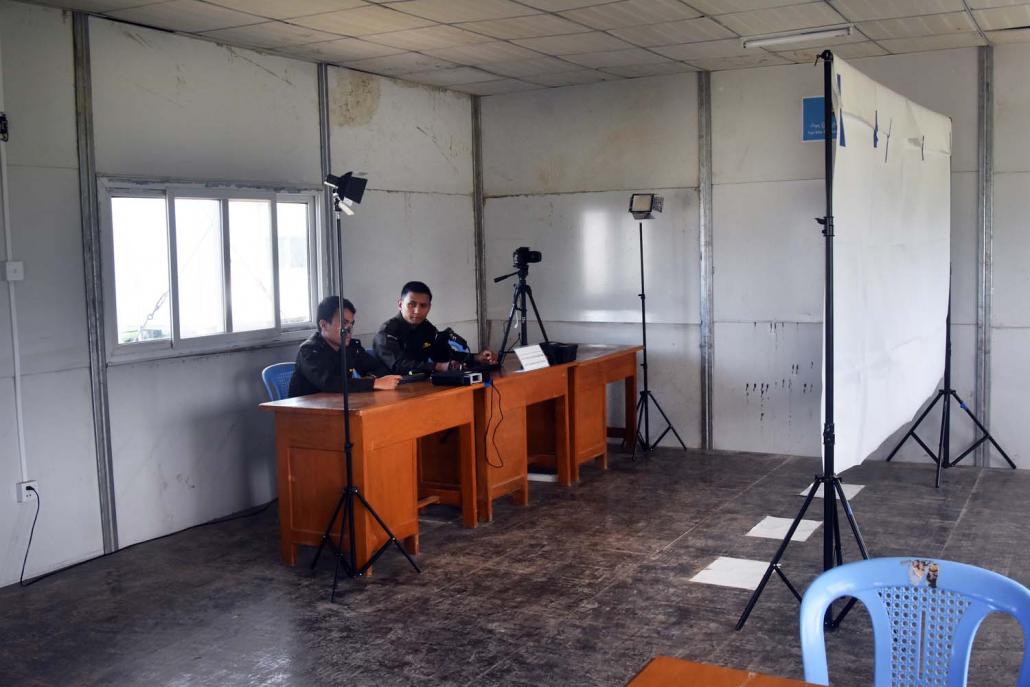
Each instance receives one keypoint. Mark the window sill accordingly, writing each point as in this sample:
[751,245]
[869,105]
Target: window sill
[125,356]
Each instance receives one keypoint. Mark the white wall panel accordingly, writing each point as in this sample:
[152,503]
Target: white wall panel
[944,81]
[591,256]
[404,136]
[768,378]
[15,518]
[47,233]
[1011,108]
[398,237]
[189,442]
[1010,378]
[171,106]
[62,457]
[768,252]
[1011,250]
[639,133]
[39,94]
[756,125]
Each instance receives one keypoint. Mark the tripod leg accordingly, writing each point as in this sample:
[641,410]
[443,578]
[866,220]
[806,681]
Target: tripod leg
[775,562]
[915,425]
[639,442]
[846,505]
[392,538]
[983,429]
[327,535]
[507,328]
[837,551]
[539,322]
[667,421]
[339,552]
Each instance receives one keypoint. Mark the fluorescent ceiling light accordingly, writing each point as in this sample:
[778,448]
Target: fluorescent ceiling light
[805,36]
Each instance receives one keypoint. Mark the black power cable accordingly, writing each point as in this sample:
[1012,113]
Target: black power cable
[32,531]
[249,513]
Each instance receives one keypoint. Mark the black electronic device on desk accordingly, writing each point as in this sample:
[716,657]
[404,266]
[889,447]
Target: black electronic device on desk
[456,378]
[414,377]
[558,353]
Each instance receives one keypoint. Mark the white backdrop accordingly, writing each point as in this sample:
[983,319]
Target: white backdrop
[892,215]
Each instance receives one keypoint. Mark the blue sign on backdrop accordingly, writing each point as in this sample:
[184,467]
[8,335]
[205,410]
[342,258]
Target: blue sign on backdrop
[812,119]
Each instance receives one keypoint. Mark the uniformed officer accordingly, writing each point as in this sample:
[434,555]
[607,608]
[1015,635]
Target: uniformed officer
[408,342]
[318,360]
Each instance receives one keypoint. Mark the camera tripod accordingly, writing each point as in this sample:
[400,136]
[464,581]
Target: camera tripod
[521,291]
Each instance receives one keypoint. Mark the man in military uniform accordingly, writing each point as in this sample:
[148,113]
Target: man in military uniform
[318,360]
[408,343]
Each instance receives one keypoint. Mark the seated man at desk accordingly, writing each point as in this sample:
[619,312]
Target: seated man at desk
[408,343]
[318,360]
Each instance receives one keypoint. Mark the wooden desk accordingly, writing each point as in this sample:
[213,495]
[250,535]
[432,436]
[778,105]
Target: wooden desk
[507,440]
[385,427]
[595,367]
[665,671]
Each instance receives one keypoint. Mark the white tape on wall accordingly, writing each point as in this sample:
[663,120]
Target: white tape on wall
[892,213]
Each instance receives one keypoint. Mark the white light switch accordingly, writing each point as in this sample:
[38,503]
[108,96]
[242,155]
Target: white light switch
[14,270]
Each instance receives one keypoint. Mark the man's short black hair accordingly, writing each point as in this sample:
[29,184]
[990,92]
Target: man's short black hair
[416,287]
[328,307]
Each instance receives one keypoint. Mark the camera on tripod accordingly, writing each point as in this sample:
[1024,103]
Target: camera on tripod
[523,257]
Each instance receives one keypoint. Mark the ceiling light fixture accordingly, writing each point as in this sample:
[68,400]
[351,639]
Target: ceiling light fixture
[805,36]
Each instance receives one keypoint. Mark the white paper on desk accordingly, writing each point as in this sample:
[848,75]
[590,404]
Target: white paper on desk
[532,357]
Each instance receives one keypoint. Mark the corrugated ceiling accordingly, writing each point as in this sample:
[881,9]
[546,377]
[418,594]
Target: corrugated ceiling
[501,46]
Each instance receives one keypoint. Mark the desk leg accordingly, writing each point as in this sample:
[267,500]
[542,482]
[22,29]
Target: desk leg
[467,458]
[631,411]
[412,545]
[568,469]
[287,549]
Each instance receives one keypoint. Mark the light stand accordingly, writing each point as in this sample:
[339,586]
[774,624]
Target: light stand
[641,206]
[943,456]
[828,480]
[347,191]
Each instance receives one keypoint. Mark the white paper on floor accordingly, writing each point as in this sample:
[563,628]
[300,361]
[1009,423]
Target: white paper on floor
[850,490]
[740,573]
[776,528]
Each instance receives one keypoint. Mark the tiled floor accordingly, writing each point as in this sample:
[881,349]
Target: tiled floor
[580,588]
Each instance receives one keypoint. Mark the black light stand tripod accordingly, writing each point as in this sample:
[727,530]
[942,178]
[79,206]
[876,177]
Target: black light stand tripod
[521,291]
[943,456]
[646,204]
[828,480]
[348,190]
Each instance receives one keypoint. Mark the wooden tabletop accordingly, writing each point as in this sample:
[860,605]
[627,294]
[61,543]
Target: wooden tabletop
[584,353]
[666,671]
[364,401]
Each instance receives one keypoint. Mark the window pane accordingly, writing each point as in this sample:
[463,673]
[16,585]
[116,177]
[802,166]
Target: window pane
[198,252]
[250,264]
[294,284]
[139,227]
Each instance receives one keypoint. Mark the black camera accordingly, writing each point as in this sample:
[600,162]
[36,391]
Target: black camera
[523,256]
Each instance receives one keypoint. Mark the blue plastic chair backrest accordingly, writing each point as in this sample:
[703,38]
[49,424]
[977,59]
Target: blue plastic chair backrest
[277,380]
[925,615]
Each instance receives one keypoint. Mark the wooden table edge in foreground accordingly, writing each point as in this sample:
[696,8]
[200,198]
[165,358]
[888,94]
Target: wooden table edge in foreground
[666,671]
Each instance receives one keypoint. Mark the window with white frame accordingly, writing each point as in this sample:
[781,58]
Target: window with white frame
[201,267]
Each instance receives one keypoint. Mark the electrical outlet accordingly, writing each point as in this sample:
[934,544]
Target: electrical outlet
[13,270]
[25,491]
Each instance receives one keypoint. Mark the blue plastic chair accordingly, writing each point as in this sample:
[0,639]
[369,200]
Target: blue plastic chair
[925,615]
[277,380]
